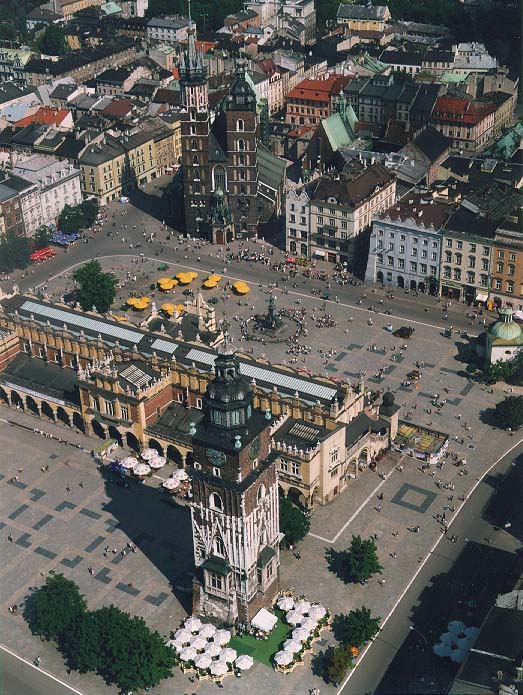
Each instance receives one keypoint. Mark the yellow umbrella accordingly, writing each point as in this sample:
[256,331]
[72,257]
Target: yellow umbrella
[167,284]
[119,318]
[184,280]
[168,308]
[209,284]
[192,274]
[145,299]
[214,278]
[161,281]
[180,308]
[131,301]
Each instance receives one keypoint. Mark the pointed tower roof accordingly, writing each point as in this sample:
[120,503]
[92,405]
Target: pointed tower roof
[192,66]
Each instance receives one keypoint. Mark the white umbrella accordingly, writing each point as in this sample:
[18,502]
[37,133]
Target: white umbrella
[129,462]
[301,634]
[179,645]
[293,646]
[213,650]
[228,655]
[193,624]
[142,469]
[157,462]
[448,637]
[148,454]
[171,643]
[203,661]
[456,626]
[458,656]
[218,668]
[286,603]
[182,635]
[471,632]
[222,637]
[317,612]
[309,624]
[442,649]
[244,662]
[207,630]
[465,643]
[294,617]
[198,642]
[170,484]
[283,658]
[302,606]
[180,475]
[188,654]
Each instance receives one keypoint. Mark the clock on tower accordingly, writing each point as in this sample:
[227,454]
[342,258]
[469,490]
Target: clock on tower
[235,499]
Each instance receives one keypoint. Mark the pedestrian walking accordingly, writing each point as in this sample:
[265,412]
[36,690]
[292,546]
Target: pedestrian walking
[10,538]
[394,556]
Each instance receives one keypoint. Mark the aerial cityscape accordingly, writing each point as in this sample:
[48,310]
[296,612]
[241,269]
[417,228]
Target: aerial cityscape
[261,331]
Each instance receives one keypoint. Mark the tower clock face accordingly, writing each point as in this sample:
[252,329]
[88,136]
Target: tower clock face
[254,448]
[216,458]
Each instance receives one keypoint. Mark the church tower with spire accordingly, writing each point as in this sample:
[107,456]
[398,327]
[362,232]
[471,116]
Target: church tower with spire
[195,132]
[235,499]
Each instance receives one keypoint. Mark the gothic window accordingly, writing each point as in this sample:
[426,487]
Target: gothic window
[241,159]
[219,547]
[240,125]
[217,417]
[193,145]
[216,581]
[195,160]
[241,145]
[261,493]
[235,417]
[220,177]
[196,175]
[241,174]
[215,502]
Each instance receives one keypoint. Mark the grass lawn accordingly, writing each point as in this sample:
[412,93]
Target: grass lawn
[262,650]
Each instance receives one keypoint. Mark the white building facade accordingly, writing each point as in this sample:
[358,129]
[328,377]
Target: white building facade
[298,222]
[58,184]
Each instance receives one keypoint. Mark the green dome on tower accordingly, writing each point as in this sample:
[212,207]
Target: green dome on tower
[505,329]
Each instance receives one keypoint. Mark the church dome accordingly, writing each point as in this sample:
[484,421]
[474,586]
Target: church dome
[505,329]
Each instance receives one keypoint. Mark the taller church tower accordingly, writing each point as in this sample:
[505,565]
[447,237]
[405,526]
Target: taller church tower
[235,499]
[195,133]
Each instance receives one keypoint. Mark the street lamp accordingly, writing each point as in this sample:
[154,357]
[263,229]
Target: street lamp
[415,629]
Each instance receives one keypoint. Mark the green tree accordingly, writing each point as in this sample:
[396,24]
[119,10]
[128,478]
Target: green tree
[89,211]
[516,370]
[498,371]
[80,644]
[358,627]
[14,252]
[339,660]
[508,413]
[71,219]
[53,41]
[133,656]
[54,606]
[361,560]
[294,523]
[42,237]
[96,288]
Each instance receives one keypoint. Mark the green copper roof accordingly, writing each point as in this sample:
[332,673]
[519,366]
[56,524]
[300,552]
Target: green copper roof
[373,64]
[271,169]
[505,329]
[338,131]
[448,77]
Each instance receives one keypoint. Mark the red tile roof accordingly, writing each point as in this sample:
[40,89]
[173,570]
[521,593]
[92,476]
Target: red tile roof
[461,110]
[45,116]
[319,90]
[118,108]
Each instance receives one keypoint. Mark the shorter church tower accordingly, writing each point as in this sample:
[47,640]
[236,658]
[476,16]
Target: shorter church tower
[235,499]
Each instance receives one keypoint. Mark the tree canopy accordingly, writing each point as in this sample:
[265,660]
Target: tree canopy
[119,647]
[53,42]
[96,288]
[358,627]
[54,606]
[338,661]
[361,560]
[508,413]
[14,252]
[42,237]
[294,523]
[75,217]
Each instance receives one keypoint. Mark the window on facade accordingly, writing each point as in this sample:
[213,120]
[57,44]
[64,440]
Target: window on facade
[401,263]
[125,412]
[334,455]
[448,256]
[423,269]
[195,161]
[486,250]
[449,243]
[295,468]
[457,274]
[216,581]
[510,286]
[484,281]
[501,254]
[511,269]
[499,267]
[471,278]
[219,547]
[109,408]
[423,253]
[390,261]
[459,245]
[216,472]
[220,178]
[512,256]
[194,146]
[199,403]
[215,501]
[241,145]
[413,266]
[240,125]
